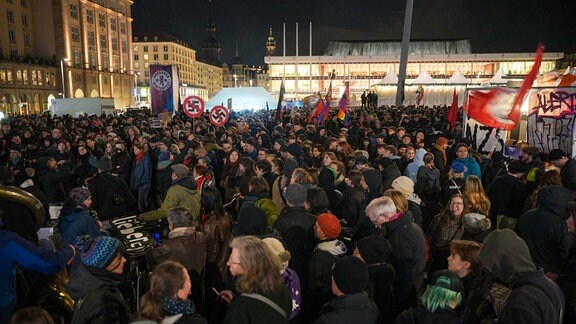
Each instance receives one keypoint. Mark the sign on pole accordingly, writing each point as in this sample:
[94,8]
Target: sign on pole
[219,115]
[193,106]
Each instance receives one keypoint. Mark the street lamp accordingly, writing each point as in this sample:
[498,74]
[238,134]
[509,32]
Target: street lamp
[136,75]
[63,80]
[235,81]
[250,83]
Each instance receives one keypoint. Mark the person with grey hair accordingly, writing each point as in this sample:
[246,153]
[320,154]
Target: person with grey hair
[408,249]
[185,244]
[295,225]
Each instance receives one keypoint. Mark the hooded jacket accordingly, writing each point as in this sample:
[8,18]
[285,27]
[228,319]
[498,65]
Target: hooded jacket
[533,297]
[182,193]
[544,229]
[412,168]
[354,308]
[76,221]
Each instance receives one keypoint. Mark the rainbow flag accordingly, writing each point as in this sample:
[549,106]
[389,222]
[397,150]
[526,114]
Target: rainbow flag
[343,113]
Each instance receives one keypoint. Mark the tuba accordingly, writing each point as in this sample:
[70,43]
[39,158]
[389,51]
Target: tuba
[22,212]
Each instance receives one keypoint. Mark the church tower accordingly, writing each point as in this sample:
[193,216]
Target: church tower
[211,47]
[270,44]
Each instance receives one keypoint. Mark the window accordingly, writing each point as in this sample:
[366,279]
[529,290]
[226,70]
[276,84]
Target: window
[105,62]
[135,48]
[165,57]
[103,41]
[77,58]
[145,57]
[26,39]
[25,76]
[90,16]
[155,48]
[136,58]
[102,20]
[75,34]
[124,46]
[145,48]
[91,38]
[24,20]
[73,11]
[11,36]
[155,57]
[24,3]
[147,73]
[93,61]
[165,48]
[136,65]
[113,24]
[10,16]
[114,44]
[146,65]
[123,28]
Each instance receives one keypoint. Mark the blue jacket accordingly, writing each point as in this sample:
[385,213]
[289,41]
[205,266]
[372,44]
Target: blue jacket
[141,174]
[16,250]
[75,221]
[472,167]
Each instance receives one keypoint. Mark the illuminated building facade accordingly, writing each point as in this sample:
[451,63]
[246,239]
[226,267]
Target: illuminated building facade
[196,78]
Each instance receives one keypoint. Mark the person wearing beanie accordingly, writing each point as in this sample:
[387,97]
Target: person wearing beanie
[295,226]
[439,301]
[476,227]
[326,252]
[375,252]
[94,284]
[111,196]
[352,305]
[182,193]
[75,219]
[567,168]
[291,279]
[533,297]
[406,186]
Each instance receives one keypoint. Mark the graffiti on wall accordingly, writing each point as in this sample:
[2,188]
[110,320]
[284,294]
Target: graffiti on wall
[551,117]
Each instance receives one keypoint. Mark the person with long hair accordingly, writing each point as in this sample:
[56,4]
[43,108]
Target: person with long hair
[302,177]
[260,293]
[444,228]
[229,178]
[216,229]
[246,171]
[476,199]
[167,300]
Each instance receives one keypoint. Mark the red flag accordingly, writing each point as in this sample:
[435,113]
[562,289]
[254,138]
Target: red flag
[452,116]
[317,111]
[500,107]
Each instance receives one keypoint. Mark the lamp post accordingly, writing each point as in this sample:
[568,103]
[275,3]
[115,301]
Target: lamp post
[63,80]
[136,75]
[250,83]
[235,81]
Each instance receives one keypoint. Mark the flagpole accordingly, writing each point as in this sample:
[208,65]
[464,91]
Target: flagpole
[296,90]
[310,67]
[404,52]
[284,50]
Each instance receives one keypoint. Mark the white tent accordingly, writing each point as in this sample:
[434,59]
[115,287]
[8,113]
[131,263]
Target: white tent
[390,78]
[252,98]
[498,78]
[424,78]
[457,78]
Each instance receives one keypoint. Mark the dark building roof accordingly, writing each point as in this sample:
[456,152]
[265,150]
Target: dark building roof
[393,47]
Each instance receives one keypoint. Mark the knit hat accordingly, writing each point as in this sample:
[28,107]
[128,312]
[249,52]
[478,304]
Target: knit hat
[295,194]
[441,140]
[350,275]
[556,154]
[476,223]
[180,170]
[278,249]
[404,184]
[294,149]
[374,249]
[458,167]
[79,195]
[448,280]
[251,221]
[104,163]
[289,166]
[329,224]
[97,252]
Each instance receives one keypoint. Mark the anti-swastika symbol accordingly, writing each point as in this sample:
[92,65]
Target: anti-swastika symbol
[193,106]
[219,115]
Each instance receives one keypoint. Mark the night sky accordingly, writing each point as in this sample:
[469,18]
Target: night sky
[493,26]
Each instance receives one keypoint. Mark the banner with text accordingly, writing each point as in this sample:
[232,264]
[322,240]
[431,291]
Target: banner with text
[551,117]
[164,84]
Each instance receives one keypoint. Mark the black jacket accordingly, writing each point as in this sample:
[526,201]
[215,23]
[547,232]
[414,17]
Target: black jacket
[544,230]
[507,196]
[111,196]
[568,174]
[422,316]
[354,308]
[122,165]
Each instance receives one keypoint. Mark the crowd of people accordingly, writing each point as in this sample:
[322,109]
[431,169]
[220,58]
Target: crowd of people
[391,218]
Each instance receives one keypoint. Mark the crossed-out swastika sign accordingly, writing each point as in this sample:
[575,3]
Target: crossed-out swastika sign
[219,115]
[193,106]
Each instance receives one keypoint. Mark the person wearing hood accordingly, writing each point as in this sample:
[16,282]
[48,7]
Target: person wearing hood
[408,249]
[412,168]
[327,251]
[544,230]
[75,219]
[533,297]
[372,178]
[182,193]
[94,284]
[348,283]
[326,181]
[389,171]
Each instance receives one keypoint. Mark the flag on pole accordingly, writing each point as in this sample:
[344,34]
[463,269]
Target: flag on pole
[327,101]
[452,116]
[420,93]
[343,113]
[279,107]
[361,117]
[500,107]
[317,110]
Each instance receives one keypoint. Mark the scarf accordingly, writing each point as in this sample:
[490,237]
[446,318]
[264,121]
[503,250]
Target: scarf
[139,157]
[174,306]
